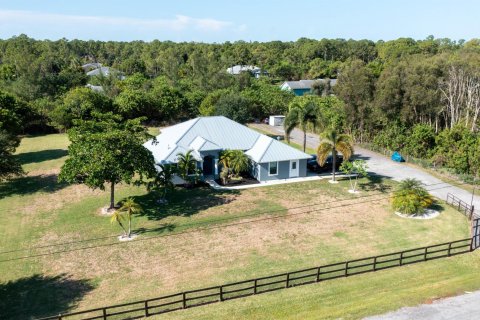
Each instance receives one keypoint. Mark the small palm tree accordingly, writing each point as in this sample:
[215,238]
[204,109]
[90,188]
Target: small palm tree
[162,181]
[129,207]
[119,218]
[411,197]
[331,143]
[186,164]
[234,162]
[302,111]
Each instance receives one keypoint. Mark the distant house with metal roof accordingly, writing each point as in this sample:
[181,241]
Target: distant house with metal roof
[207,137]
[90,66]
[105,71]
[254,70]
[302,87]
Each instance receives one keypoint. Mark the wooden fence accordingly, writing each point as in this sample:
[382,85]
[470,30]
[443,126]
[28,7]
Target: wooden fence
[462,206]
[195,298]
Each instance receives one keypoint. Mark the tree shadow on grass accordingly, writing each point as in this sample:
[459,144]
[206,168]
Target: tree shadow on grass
[40,156]
[183,202]
[39,296]
[30,184]
[375,183]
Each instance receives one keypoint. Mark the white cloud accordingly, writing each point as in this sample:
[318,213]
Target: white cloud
[10,18]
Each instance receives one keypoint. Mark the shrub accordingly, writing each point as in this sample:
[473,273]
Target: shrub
[411,198]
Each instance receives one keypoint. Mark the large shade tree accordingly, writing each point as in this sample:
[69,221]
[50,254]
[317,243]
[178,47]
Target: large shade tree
[303,111]
[107,151]
[333,142]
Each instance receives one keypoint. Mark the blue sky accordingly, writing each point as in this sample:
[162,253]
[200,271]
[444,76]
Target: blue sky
[219,21]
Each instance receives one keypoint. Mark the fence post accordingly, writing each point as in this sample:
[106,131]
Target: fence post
[346,269]
[146,308]
[425,254]
[472,208]
[401,258]
[449,249]
[105,313]
[287,284]
[184,300]
[255,287]
[318,274]
[60,316]
[221,293]
[375,264]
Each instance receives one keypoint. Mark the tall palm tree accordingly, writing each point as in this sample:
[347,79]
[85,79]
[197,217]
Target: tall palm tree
[331,142]
[129,207]
[186,164]
[302,111]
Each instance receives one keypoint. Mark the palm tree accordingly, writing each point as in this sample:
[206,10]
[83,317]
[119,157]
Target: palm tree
[331,142]
[411,197]
[302,111]
[118,217]
[163,181]
[186,164]
[238,161]
[129,207]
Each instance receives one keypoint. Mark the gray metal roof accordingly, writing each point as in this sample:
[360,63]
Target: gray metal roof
[304,84]
[218,133]
[267,149]
[242,68]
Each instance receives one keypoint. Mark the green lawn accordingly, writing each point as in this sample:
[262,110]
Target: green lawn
[203,238]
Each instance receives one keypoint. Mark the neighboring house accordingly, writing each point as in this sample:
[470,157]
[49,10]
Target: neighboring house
[105,71]
[254,70]
[207,137]
[90,66]
[301,87]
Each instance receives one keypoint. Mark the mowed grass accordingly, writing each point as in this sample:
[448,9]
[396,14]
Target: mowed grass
[58,253]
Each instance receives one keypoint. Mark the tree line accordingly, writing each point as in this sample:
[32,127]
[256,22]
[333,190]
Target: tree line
[399,94]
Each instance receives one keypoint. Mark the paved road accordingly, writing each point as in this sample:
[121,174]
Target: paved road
[380,165]
[464,307]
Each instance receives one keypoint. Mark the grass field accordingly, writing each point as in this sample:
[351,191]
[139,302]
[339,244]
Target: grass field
[202,238]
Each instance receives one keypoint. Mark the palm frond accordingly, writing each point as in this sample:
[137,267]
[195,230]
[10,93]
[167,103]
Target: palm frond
[345,148]
[323,151]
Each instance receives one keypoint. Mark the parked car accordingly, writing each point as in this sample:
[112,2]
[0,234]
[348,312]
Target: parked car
[313,165]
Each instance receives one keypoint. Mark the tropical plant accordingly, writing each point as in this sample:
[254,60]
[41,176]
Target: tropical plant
[186,163]
[117,217]
[162,182]
[302,112]
[357,168]
[331,143]
[234,162]
[128,208]
[411,197]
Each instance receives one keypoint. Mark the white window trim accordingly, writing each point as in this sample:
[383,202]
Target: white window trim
[269,174]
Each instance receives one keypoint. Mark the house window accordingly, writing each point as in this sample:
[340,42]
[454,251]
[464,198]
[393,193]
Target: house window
[273,168]
[294,165]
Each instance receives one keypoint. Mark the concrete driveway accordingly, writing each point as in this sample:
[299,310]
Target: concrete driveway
[383,166]
[464,307]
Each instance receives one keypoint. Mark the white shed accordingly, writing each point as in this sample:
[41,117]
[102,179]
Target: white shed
[276,120]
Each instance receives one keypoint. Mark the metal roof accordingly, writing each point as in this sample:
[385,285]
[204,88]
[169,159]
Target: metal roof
[304,84]
[267,149]
[218,133]
[241,68]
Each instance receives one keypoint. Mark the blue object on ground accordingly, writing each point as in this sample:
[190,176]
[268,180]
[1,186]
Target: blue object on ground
[397,157]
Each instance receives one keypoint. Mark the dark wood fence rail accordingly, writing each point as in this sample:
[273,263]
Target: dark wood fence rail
[462,206]
[194,298]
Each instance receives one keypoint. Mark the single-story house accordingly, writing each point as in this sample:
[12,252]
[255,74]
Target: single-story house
[90,66]
[254,70]
[301,87]
[105,71]
[207,137]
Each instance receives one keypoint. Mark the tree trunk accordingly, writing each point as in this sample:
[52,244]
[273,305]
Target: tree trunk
[112,195]
[334,161]
[129,224]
